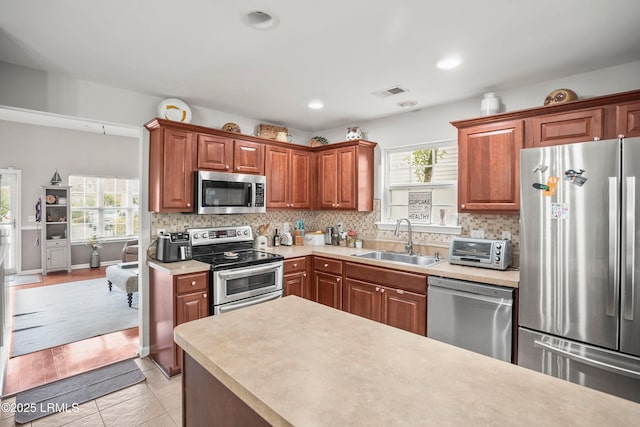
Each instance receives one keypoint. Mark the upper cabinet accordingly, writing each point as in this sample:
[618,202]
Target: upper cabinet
[288,173]
[488,167]
[343,180]
[489,146]
[345,176]
[230,155]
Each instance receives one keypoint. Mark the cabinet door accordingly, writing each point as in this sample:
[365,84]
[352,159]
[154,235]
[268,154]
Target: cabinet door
[57,258]
[489,167]
[404,310]
[215,153]
[347,179]
[628,119]
[278,177]
[328,290]
[362,299]
[177,179]
[300,185]
[327,179]
[189,307]
[566,128]
[295,284]
[248,157]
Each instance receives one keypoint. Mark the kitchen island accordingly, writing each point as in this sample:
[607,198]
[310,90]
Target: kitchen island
[295,362]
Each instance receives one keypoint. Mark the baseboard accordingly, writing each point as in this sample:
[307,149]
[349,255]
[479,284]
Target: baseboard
[143,351]
[73,267]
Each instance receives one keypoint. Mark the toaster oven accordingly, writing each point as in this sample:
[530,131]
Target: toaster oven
[485,253]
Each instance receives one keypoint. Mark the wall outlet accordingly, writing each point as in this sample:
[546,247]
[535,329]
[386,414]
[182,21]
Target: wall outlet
[506,235]
[161,231]
[477,234]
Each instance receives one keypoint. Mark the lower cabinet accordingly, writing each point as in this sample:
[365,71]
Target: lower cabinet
[174,299]
[381,294]
[295,278]
[327,282]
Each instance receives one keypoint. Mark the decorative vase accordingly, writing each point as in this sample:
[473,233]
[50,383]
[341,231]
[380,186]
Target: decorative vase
[490,104]
[95,258]
[354,133]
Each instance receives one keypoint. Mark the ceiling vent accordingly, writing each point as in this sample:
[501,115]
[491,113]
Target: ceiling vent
[390,92]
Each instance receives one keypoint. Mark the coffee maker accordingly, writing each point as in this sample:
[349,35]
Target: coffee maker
[174,247]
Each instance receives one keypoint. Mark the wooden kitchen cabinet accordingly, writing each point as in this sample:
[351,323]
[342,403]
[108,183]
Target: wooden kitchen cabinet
[174,300]
[295,278]
[172,160]
[345,176]
[288,173]
[489,167]
[565,128]
[225,154]
[628,119]
[396,298]
[327,282]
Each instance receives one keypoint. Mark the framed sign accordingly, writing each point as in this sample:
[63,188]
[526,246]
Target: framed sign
[420,206]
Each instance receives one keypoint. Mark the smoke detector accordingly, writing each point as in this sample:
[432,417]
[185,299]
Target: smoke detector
[259,20]
[395,90]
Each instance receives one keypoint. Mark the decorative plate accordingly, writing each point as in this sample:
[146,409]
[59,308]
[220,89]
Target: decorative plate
[231,127]
[51,199]
[175,110]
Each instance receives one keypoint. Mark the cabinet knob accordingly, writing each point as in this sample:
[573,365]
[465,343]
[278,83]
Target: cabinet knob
[462,206]
[382,290]
[295,265]
[377,289]
[193,283]
[326,265]
[188,205]
[304,274]
[237,168]
[226,166]
[204,295]
[338,279]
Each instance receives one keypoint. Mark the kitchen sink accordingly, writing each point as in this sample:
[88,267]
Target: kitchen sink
[400,257]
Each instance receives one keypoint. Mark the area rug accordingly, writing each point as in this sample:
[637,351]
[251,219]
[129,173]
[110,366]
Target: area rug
[65,395]
[27,279]
[49,316]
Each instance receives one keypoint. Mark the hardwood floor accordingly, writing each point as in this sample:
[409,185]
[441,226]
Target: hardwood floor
[42,367]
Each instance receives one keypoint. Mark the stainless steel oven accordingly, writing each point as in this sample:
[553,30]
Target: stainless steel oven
[240,275]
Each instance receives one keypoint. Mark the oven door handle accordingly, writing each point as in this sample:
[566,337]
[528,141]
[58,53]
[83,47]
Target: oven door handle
[244,271]
[251,301]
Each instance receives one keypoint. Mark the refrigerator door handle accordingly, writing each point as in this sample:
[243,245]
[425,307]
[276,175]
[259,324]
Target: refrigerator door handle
[614,269]
[588,361]
[628,280]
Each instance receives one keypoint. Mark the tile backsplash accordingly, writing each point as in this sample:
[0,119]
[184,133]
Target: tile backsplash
[363,222]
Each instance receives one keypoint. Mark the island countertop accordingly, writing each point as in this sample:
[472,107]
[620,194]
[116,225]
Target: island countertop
[296,362]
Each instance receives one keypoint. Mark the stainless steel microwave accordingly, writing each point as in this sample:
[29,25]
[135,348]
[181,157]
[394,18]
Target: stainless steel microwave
[485,253]
[229,193]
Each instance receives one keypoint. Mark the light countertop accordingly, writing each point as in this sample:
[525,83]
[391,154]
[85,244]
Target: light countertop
[296,362]
[509,278]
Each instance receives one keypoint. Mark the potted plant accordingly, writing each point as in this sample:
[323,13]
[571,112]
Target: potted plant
[95,244]
[423,161]
[318,141]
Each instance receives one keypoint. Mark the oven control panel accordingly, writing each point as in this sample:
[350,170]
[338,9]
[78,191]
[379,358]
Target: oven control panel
[214,235]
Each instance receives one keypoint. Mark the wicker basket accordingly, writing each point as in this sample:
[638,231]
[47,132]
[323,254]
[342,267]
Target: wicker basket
[270,131]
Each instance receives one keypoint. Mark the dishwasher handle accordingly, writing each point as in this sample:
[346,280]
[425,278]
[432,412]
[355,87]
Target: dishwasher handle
[493,291]
[470,295]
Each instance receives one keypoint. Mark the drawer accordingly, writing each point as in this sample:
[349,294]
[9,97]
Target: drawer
[327,265]
[192,282]
[56,242]
[295,265]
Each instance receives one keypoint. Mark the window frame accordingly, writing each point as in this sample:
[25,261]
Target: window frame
[131,208]
[383,223]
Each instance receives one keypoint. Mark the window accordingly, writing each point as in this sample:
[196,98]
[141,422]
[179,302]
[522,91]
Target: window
[421,184]
[103,207]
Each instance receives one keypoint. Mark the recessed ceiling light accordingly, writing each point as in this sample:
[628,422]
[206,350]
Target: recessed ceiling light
[448,63]
[407,104]
[315,105]
[260,20]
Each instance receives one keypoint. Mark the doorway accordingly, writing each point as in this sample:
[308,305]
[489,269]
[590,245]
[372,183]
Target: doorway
[10,237]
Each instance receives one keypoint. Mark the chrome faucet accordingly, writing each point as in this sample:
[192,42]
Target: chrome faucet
[409,245]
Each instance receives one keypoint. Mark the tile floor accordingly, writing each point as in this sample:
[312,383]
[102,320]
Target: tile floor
[156,402]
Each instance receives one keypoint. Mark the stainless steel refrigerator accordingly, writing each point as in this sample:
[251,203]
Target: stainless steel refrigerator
[579,294]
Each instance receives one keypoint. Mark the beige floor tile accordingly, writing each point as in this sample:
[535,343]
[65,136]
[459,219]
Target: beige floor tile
[93,420]
[9,403]
[176,416]
[137,410]
[10,422]
[116,397]
[145,364]
[161,421]
[156,379]
[170,396]
[67,417]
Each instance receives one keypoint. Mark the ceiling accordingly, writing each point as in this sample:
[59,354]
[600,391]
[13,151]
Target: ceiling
[335,50]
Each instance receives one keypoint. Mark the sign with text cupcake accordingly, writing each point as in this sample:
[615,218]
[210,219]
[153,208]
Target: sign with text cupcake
[420,206]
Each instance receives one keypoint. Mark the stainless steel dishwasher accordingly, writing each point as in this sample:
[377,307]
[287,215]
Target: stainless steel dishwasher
[471,315]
